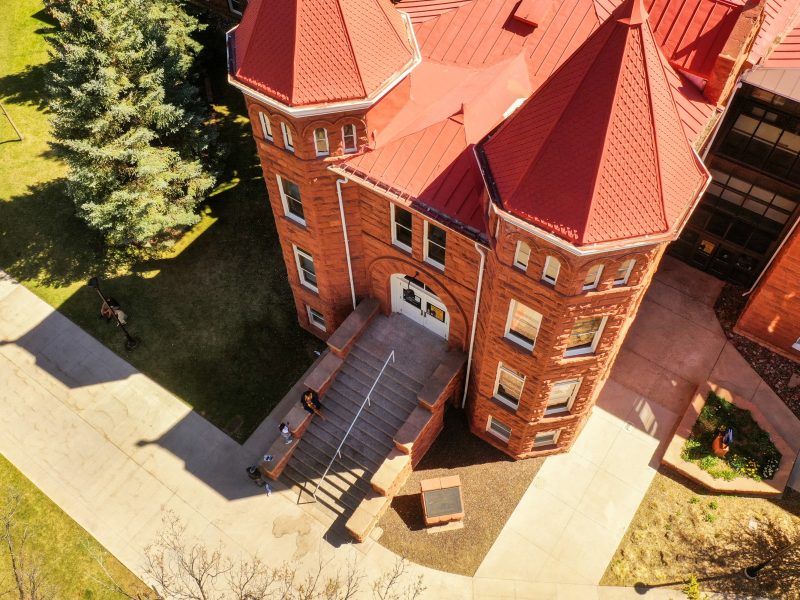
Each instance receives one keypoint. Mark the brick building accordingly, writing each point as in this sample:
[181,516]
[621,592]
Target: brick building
[507,174]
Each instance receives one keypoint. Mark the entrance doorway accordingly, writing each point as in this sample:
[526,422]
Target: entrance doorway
[415,300]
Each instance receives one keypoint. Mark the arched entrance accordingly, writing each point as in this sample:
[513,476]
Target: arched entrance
[412,298]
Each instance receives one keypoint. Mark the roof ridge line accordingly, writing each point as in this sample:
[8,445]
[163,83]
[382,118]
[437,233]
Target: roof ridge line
[294,54]
[399,39]
[346,30]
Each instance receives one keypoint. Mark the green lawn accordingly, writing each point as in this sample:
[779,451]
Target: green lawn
[71,568]
[216,317]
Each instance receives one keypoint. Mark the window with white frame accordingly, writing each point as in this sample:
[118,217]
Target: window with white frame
[796,345]
[315,318]
[498,429]
[349,139]
[266,126]
[288,141]
[585,335]
[562,395]
[402,232]
[508,386]
[321,141]
[305,268]
[624,272]
[546,438]
[435,244]
[551,268]
[523,325]
[290,198]
[522,255]
[592,277]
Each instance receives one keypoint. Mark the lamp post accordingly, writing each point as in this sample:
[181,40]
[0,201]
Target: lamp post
[752,571]
[130,341]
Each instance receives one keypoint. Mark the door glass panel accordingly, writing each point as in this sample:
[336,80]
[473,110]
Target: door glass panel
[435,312]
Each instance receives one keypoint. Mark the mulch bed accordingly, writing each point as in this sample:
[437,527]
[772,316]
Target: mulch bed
[772,368]
[492,485]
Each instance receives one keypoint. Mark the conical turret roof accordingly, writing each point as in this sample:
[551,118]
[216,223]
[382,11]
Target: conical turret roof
[303,52]
[597,153]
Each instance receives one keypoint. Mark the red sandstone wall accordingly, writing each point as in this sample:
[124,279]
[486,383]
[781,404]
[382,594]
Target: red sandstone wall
[560,305]
[772,314]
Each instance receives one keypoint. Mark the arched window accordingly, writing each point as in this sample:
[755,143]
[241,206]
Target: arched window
[349,139]
[624,272]
[288,141]
[266,126]
[321,141]
[552,266]
[522,255]
[592,277]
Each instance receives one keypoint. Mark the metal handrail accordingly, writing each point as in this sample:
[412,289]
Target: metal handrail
[366,401]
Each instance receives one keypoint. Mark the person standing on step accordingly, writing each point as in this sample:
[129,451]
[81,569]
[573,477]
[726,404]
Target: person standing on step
[311,403]
[286,434]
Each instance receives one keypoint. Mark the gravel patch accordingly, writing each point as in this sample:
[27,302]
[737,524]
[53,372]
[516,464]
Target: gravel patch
[492,485]
[774,369]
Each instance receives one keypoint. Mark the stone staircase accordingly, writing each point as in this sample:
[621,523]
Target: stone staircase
[370,441]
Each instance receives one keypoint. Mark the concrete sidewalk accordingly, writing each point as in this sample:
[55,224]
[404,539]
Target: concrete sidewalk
[116,451]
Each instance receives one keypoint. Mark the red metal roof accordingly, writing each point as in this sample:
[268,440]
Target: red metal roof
[435,166]
[779,15]
[303,52]
[691,33]
[787,53]
[598,154]
[425,10]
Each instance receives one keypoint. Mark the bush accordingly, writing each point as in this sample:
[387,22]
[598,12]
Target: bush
[752,453]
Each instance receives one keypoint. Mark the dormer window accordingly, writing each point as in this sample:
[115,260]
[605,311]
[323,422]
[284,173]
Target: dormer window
[624,272]
[349,139]
[592,277]
[522,255]
[321,141]
[288,142]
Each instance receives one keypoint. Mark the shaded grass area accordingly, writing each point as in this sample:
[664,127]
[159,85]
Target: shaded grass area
[71,569]
[751,454]
[215,315]
[492,485]
[681,530]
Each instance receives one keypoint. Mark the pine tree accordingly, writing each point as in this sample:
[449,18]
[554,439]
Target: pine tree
[127,116]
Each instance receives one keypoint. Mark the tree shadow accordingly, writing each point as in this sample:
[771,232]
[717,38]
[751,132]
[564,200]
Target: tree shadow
[26,87]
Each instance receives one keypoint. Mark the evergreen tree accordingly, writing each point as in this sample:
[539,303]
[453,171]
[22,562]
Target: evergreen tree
[127,116]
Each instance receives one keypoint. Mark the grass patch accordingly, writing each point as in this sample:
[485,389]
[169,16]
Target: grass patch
[676,533]
[60,544]
[492,485]
[215,314]
[752,453]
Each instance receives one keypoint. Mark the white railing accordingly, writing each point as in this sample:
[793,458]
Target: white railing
[349,429]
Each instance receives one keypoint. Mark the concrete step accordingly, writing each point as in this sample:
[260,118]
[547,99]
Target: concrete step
[354,384]
[338,501]
[372,422]
[313,465]
[347,405]
[395,370]
[354,449]
[367,374]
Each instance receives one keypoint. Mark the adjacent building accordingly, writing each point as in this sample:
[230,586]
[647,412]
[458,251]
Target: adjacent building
[507,174]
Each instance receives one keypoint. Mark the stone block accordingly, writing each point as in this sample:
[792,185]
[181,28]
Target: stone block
[281,453]
[352,327]
[392,474]
[410,431]
[298,420]
[433,393]
[323,375]
[366,516]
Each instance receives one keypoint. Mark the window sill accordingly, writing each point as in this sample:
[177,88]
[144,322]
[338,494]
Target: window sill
[556,416]
[310,288]
[496,438]
[295,221]
[519,346]
[504,404]
[402,247]
[438,266]
[796,347]
[545,447]
[579,352]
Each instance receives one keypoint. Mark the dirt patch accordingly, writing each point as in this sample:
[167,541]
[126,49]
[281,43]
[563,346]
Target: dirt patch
[492,485]
[681,530]
[773,368]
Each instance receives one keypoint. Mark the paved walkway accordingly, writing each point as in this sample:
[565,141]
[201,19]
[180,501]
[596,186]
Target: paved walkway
[115,451]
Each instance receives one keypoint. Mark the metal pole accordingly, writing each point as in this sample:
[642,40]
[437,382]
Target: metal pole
[130,341]
[752,571]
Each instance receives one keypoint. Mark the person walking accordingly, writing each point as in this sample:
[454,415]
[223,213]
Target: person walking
[311,404]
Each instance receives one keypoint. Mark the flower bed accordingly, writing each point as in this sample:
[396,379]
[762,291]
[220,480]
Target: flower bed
[752,453]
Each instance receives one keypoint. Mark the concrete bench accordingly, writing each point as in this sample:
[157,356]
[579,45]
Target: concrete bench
[352,327]
[321,378]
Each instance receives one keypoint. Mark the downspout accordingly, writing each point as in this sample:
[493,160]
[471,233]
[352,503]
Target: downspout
[339,183]
[474,322]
